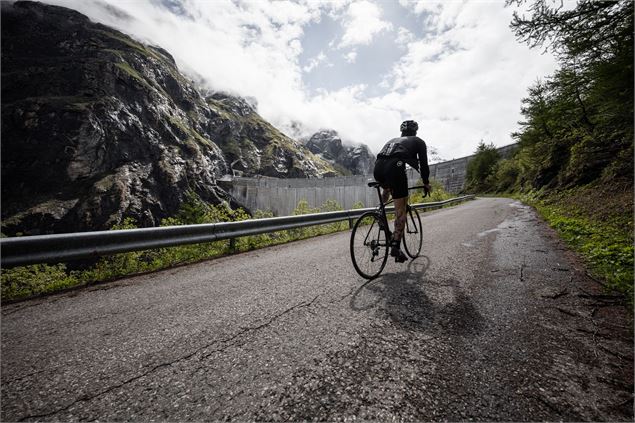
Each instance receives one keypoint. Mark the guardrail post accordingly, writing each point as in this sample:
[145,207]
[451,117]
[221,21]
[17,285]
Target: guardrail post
[232,244]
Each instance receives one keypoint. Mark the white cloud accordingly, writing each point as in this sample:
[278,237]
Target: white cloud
[440,16]
[465,83]
[462,82]
[315,62]
[362,22]
[351,56]
[404,36]
[352,115]
[250,48]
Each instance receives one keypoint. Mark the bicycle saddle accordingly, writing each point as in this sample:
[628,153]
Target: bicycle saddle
[373,184]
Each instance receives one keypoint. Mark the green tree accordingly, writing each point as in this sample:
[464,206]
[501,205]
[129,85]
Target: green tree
[594,31]
[481,167]
[505,176]
[578,124]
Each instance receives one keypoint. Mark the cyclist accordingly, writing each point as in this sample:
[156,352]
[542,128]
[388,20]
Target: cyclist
[390,172]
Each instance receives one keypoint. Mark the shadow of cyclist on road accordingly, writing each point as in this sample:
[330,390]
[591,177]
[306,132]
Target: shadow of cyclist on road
[411,300]
[367,296]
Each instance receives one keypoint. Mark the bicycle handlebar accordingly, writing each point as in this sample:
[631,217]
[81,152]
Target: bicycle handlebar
[425,194]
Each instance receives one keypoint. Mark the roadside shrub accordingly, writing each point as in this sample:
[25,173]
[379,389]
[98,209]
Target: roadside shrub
[438,193]
[505,175]
[25,281]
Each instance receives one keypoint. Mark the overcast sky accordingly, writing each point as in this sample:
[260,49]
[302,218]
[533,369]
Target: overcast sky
[359,67]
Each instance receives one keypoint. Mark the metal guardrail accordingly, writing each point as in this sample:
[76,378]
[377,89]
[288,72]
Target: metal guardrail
[57,248]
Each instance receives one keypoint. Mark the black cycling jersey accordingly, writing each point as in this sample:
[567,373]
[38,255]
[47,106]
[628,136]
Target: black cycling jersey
[412,150]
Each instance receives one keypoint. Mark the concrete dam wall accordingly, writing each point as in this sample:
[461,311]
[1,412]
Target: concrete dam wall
[281,196]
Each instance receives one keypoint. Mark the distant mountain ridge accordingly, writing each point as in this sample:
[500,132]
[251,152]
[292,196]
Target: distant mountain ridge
[97,127]
[358,160]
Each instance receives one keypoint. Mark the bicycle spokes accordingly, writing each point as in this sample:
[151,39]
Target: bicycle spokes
[369,245]
[413,236]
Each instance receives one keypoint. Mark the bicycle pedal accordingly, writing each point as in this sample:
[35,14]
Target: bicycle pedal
[400,259]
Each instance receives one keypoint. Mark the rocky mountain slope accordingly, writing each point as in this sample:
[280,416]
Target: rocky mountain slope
[357,160]
[97,127]
[252,146]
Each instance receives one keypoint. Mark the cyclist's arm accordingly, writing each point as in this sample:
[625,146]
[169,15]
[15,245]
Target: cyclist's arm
[424,170]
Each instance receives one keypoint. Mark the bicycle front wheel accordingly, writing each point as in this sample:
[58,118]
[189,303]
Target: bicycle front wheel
[412,234]
[369,245]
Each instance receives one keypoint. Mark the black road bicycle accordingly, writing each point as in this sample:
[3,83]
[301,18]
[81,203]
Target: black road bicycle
[371,235]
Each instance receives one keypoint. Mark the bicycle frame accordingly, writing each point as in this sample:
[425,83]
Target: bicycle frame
[382,208]
[382,212]
[377,239]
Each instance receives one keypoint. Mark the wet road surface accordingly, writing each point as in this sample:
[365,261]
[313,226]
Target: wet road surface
[495,321]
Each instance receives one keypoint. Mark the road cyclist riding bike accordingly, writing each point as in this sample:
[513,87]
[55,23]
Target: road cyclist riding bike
[390,173]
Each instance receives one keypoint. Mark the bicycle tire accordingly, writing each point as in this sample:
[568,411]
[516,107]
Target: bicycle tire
[369,245]
[413,233]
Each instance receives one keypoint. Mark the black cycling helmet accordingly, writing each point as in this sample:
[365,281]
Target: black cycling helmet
[409,126]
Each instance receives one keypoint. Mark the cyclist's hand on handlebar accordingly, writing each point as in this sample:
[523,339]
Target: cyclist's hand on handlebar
[427,189]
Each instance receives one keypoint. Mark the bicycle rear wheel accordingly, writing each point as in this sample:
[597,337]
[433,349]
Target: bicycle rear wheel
[412,234]
[369,245]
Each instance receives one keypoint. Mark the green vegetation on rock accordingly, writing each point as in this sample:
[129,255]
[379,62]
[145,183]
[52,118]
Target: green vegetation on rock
[191,133]
[140,48]
[280,156]
[124,66]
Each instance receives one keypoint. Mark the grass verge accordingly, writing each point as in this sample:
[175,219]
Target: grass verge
[595,221]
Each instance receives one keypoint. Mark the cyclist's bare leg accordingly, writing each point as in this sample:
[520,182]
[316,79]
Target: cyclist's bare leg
[385,194]
[400,217]
[400,223]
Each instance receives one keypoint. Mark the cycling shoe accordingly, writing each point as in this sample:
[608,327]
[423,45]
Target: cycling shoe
[399,256]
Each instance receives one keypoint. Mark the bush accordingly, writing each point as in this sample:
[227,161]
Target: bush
[505,175]
[25,281]
[438,193]
[310,231]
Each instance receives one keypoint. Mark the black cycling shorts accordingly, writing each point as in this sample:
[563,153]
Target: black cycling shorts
[390,172]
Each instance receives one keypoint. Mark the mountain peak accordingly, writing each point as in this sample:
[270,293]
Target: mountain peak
[327,143]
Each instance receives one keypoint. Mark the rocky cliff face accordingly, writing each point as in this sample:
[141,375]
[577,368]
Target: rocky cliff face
[356,160]
[252,146]
[97,127]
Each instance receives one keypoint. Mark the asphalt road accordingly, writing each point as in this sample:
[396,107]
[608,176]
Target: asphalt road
[495,321]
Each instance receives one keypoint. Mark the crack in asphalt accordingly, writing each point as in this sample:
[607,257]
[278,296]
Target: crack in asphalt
[40,299]
[548,404]
[255,328]
[19,308]
[522,269]
[18,379]
[352,291]
[91,397]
